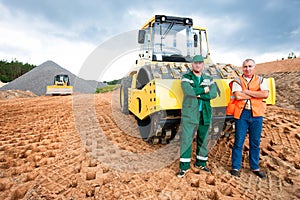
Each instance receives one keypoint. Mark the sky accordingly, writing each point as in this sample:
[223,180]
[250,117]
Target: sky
[68,32]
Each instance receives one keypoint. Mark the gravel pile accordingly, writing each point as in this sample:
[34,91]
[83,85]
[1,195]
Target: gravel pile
[38,78]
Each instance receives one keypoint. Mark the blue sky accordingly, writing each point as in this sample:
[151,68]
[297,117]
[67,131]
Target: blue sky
[66,32]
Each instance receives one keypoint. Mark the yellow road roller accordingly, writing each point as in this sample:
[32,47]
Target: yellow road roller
[61,86]
[151,91]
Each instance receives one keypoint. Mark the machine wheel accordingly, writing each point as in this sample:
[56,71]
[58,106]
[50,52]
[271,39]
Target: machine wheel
[154,130]
[125,84]
[148,128]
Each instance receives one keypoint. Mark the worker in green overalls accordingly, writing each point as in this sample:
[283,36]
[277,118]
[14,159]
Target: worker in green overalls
[198,90]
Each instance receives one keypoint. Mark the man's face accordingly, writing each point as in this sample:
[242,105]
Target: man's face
[198,66]
[248,68]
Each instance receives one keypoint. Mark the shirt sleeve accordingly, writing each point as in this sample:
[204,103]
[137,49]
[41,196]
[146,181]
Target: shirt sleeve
[187,89]
[236,87]
[264,85]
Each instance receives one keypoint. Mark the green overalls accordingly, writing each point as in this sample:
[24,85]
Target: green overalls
[196,115]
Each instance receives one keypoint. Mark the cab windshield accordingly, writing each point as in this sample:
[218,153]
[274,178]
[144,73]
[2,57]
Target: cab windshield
[172,42]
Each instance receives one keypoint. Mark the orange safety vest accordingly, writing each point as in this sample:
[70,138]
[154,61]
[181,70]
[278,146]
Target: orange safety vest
[231,104]
[235,107]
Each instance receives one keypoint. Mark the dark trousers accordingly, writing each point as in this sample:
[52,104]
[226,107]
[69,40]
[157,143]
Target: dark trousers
[254,125]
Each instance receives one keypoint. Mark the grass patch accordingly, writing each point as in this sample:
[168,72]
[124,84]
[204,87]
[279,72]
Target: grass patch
[107,88]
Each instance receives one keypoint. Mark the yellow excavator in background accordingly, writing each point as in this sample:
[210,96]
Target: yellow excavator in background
[61,86]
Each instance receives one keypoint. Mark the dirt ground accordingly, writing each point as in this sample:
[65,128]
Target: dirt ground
[12,94]
[288,65]
[286,74]
[82,147]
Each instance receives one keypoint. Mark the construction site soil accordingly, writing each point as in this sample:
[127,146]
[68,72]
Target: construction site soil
[82,147]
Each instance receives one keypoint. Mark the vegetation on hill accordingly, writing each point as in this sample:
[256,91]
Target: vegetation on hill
[107,88]
[114,82]
[111,86]
[13,69]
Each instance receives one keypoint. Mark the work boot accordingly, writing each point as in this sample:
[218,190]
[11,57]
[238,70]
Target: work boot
[182,173]
[235,172]
[260,174]
[204,168]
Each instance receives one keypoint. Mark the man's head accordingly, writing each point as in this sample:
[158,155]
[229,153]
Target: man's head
[198,63]
[248,68]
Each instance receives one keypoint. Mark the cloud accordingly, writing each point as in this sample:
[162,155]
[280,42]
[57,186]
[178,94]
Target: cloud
[295,33]
[68,31]
[36,40]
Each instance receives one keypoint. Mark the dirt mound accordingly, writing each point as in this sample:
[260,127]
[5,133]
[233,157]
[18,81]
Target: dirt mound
[11,94]
[38,78]
[287,89]
[287,82]
[289,65]
[45,154]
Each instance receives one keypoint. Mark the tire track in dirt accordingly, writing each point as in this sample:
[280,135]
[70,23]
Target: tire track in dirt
[287,88]
[30,140]
[101,134]
[235,188]
[44,156]
[280,159]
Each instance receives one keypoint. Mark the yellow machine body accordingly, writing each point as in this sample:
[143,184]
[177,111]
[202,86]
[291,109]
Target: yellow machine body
[59,90]
[61,86]
[166,94]
[152,89]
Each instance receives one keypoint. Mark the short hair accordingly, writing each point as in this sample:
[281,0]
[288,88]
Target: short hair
[249,59]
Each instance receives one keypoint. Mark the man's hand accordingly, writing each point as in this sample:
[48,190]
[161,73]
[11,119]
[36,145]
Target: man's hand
[206,89]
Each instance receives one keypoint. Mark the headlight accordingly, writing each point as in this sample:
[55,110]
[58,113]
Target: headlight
[188,21]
